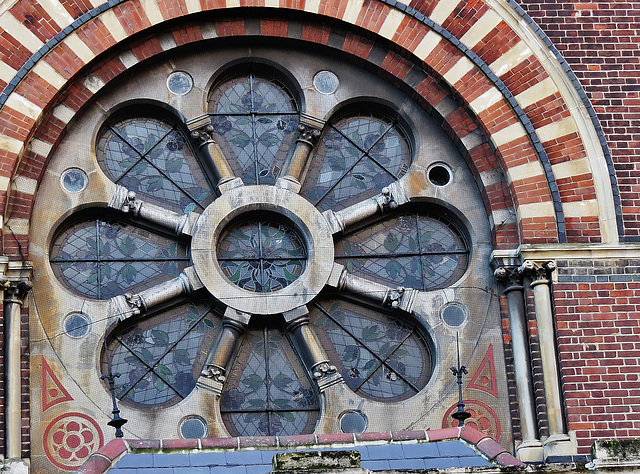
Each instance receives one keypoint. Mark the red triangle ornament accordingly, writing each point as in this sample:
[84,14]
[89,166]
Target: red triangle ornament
[53,392]
[485,377]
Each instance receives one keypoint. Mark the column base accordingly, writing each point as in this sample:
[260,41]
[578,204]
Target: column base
[15,466]
[531,451]
[289,183]
[559,446]
[228,184]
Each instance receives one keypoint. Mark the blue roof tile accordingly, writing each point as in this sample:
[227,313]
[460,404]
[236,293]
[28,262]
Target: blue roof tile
[243,458]
[387,451]
[454,449]
[421,450]
[171,460]
[135,460]
[407,463]
[375,465]
[190,470]
[441,463]
[207,459]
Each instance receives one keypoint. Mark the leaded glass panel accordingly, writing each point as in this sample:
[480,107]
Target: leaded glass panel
[153,159]
[101,259]
[268,391]
[355,159]
[253,121]
[379,356]
[261,256]
[411,250]
[160,358]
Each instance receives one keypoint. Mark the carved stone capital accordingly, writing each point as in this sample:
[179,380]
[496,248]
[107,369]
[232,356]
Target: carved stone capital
[15,291]
[539,273]
[204,135]
[125,201]
[387,200]
[135,302]
[326,375]
[510,277]
[401,298]
[212,371]
[308,134]
[210,384]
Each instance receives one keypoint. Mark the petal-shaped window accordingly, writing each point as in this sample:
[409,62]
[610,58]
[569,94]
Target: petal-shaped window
[160,358]
[356,158]
[152,158]
[411,250]
[103,258]
[378,355]
[254,120]
[268,392]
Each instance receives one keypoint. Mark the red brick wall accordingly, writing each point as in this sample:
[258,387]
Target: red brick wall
[601,42]
[598,328]
[598,302]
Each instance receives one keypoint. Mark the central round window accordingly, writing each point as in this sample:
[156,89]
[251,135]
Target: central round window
[261,255]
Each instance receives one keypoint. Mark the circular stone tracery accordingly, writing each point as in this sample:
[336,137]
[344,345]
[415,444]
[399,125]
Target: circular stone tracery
[218,221]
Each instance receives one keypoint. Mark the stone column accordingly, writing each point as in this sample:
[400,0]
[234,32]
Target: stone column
[311,351]
[215,367]
[558,442]
[395,298]
[14,295]
[295,169]
[531,448]
[202,132]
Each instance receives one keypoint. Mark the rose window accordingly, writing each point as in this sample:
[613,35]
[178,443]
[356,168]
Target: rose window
[259,256]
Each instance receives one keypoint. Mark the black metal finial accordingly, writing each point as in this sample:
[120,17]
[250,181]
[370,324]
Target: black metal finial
[460,414]
[117,422]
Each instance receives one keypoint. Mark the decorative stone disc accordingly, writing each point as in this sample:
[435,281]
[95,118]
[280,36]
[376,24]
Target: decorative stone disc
[70,439]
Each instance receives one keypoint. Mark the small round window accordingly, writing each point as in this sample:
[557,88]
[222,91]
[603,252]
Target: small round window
[261,255]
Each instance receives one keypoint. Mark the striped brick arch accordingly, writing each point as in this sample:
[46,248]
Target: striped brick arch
[513,108]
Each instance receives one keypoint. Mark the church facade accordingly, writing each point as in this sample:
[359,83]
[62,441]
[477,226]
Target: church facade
[277,218]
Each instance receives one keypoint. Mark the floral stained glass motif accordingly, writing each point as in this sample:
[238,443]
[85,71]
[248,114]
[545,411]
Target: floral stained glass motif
[101,259]
[410,250]
[356,158]
[254,120]
[268,392]
[152,158]
[261,256]
[379,356]
[160,358]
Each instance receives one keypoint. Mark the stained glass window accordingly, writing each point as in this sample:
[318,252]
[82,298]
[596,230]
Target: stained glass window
[160,358]
[103,258]
[268,392]
[261,256]
[379,356]
[411,250]
[152,158]
[356,158]
[254,120]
